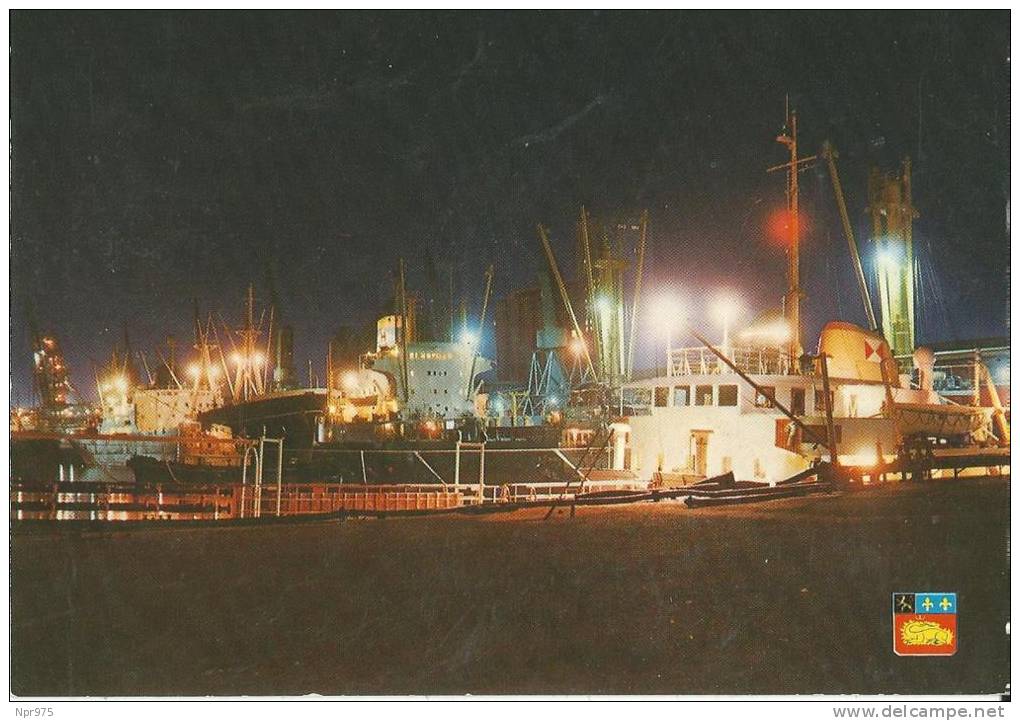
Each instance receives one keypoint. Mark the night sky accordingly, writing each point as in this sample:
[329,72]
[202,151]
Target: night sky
[163,158]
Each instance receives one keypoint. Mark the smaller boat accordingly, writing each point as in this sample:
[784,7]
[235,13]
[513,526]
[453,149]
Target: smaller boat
[724,490]
[209,457]
[153,471]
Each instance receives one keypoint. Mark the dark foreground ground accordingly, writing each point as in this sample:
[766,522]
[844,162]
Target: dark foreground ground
[786,597]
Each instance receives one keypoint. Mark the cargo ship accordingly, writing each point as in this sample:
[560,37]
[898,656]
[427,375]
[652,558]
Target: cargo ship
[416,410]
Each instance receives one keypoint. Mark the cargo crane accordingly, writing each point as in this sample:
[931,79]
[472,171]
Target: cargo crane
[606,311]
[603,349]
[548,382]
[830,155]
[639,272]
[604,273]
[543,235]
[51,381]
[892,215]
[56,408]
[476,340]
[406,330]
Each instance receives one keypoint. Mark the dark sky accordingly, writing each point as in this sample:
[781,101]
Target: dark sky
[164,157]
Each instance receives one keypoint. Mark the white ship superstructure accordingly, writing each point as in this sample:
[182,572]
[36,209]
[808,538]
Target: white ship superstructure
[702,419]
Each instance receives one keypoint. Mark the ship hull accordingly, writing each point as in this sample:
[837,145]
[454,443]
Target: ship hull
[152,471]
[292,415]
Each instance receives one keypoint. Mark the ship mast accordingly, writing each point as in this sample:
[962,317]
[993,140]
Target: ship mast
[248,357]
[791,305]
[205,373]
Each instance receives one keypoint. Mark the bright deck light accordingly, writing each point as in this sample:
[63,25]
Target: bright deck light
[666,313]
[726,308]
[775,333]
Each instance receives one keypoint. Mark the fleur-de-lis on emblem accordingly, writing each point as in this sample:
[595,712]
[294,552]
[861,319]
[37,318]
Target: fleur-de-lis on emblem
[927,603]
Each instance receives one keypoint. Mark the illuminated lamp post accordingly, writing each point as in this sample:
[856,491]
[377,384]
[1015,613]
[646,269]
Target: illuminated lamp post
[666,314]
[726,310]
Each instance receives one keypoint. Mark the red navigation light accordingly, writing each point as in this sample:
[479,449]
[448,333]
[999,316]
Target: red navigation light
[780,226]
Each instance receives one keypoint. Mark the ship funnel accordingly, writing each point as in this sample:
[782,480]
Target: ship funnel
[856,354]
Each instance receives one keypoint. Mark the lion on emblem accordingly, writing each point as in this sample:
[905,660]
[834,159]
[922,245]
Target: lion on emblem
[925,633]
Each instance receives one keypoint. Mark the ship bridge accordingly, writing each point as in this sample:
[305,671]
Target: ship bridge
[753,360]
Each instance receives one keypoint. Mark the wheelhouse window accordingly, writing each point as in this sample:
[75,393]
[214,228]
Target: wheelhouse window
[703,396]
[765,398]
[661,396]
[822,433]
[681,396]
[637,397]
[820,400]
[727,395]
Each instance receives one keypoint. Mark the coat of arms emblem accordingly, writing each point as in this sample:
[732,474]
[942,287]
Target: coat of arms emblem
[924,624]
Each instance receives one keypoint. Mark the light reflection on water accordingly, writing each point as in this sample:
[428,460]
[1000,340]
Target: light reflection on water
[118,503]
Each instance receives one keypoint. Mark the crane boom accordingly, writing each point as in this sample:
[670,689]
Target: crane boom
[830,155]
[591,318]
[402,302]
[637,294]
[481,329]
[544,237]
